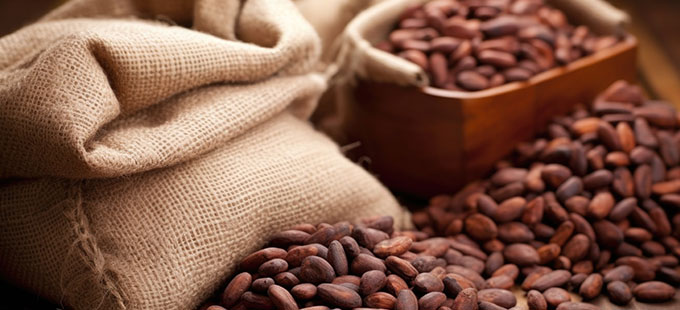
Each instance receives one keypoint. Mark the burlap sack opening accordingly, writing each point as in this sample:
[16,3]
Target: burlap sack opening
[358,58]
[140,160]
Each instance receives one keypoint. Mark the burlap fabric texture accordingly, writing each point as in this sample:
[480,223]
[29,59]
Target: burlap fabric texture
[147,146]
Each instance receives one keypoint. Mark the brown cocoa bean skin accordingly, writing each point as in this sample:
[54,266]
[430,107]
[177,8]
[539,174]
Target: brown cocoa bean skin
[653,291]
[622,209]
[598,179]
[371,282]
[380,300]
[339,295]
[438,68]
[623,273]
[256,301]
[395,284]
[304,291]
[484,305]
[401,267]
[395,246]
[509,270]
[322,236]
[521,254]
[427,282]
[555,278]
[365,262]
[254,260]
[643,270]
[510,209]
[281,298]
[297,254]
[337,258]
[607,134]
[582,226]
[273,267]
[493,262]
[660,219]
[555,296]
[288,237]
[499,282]
[577,205]
[286,279]
[576,248]
[533,276]
[451,287]
[467,273]
[481,227]
[406,300]
[619,292]
[235,289]
[515,232]
[347,279]
[261,285]
[316,270]
[548,253]
[638,235]
[536,301]
[501,297]
[563,233]
[608,234]
[569,188]
[601,205]
[497,58]
[368,237]
[431,301]
[643,181]
[466,300]
[555,174]
[533,213]
[472,81]
[591,287]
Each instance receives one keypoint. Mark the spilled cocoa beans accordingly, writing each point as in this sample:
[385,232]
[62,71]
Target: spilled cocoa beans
[591,208]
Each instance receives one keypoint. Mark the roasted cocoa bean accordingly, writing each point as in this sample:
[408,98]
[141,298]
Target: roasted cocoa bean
[503,298]
[591,286]
[554,296]
[653,291]
[619,292]
[536,301]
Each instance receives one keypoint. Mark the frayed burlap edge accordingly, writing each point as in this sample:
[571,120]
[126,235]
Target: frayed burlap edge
[86,249]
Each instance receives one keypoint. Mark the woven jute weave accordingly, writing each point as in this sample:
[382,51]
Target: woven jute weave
[147,146]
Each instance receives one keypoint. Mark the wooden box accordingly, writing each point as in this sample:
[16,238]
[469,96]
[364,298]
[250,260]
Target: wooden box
[427,141]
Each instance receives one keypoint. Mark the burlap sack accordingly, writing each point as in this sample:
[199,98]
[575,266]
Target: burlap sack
[140,160]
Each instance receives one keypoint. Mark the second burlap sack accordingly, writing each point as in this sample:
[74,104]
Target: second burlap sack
[140,160]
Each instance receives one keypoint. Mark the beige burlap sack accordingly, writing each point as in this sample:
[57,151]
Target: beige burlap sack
[141,159]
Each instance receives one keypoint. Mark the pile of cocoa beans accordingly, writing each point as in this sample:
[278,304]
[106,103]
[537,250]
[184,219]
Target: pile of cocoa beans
[595,204]
[473,45]
[592,208]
